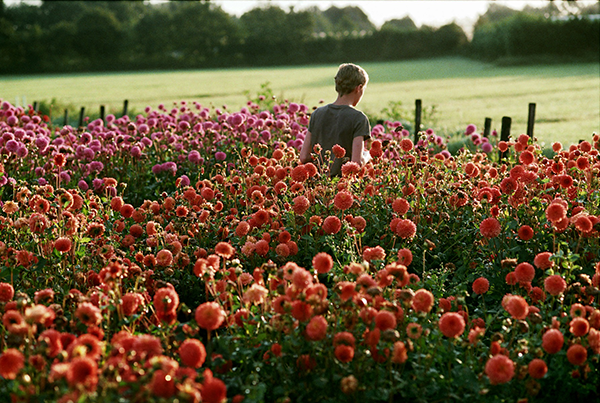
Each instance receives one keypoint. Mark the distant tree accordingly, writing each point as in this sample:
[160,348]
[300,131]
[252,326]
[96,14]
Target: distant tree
[321,23]
[153,34]
[202,32]
[99,38]
[449,39]
[495,13]
[54,12]
[402,24]
[350,19]
[273,36]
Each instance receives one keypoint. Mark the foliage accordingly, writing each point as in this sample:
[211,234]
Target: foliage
[207,263]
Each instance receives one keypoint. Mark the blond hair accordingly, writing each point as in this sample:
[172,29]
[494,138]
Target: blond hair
[348,77]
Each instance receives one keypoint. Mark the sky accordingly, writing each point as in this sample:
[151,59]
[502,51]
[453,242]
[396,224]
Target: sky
[423,12]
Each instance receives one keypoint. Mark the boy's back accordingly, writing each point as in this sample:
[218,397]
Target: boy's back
[337,124]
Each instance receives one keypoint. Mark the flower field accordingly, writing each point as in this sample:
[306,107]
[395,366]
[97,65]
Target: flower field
[186,254]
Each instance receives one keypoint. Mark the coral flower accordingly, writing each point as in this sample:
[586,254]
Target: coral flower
[209,315]
[344,353]
[301,204]
[225,250]
[400,206]
[579,327]
[83,371]
[481,285]
[213,390]
[338,151]
[63,244]
[399,354]
[452,324]
[405,257]
[255,294]
[405,229]
[542,260]
[583,223]
[162,384]
[88,314]
[552,341]
[242,229]
[406,144]
[7,292]
[577,354]
[422,300]
[166,301]
[376,253]
[554,285]
[164,257]
[343,200]
[131,302]
[525,232]
[301,310]
[344,338]
[414,330]
[322,262]
[490,228]
[11,362]
[316,329]
[524,272]
[127,210]
[385,320]
[332,225]
[192,353]
[516,306]
[555,212]
[537,368]
[299,173]
[500,369]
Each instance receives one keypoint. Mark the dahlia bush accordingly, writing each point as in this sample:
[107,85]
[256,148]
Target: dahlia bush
[187,254]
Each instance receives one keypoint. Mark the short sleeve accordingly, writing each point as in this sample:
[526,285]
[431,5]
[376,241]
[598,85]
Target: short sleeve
[362,128]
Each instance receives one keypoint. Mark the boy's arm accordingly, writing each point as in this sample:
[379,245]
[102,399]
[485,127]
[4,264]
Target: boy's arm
[305,150]
[358,146]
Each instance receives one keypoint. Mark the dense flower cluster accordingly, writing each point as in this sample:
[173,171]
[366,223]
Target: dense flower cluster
[233,272]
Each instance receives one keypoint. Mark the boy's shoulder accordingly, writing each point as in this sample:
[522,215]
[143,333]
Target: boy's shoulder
[341,109]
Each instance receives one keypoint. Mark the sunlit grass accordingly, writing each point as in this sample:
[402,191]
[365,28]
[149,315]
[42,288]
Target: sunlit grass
[464,91]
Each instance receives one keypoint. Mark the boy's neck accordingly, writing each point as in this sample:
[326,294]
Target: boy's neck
[346,99]
[351,98]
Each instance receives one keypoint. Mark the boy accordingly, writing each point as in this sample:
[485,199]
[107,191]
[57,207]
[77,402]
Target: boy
[340,123]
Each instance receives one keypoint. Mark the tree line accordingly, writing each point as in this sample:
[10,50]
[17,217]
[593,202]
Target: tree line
[77,36]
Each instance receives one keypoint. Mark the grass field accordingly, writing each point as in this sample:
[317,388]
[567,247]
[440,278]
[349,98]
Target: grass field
[463,91]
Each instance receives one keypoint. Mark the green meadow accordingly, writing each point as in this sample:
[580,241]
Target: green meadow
[462,91]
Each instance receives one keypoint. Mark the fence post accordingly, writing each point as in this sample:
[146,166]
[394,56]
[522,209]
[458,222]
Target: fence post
[81,116]
[102,109]
[66,121]
[487,126]
[504,135]
[531,120]
[125,104]
[417,119]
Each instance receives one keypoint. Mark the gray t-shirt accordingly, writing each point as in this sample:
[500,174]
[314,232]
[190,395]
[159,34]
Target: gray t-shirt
[337,124]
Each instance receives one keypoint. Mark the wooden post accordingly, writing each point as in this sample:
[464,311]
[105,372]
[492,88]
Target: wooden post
[504,135]
[531,120]
[66,121]
[35,106]
[125,104]
[487,126]
[102,109]
[418,108]
[81,116]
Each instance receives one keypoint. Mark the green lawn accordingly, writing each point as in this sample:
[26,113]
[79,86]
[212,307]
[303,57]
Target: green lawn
[463,91]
